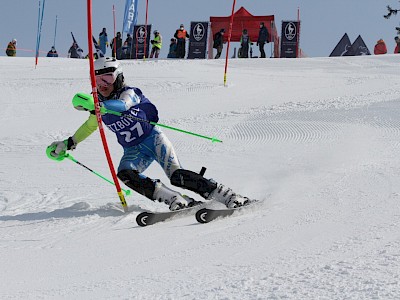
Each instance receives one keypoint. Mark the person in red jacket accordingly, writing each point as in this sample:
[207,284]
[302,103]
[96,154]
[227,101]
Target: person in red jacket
[380,47]
[181,35]
[397,49]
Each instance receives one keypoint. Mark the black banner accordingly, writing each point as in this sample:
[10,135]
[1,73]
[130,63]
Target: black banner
[290,39]
[140,36]
[358,48]
[342,47]
[198,40]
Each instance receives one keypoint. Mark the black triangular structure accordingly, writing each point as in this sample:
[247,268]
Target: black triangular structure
[342,47]
[358,48]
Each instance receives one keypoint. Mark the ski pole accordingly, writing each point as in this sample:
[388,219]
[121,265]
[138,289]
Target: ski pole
[70,157]
[212,139]
[85,102]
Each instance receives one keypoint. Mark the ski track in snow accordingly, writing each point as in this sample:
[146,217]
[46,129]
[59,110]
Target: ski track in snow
[324,164]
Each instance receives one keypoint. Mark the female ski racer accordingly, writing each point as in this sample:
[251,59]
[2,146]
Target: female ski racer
[142,143]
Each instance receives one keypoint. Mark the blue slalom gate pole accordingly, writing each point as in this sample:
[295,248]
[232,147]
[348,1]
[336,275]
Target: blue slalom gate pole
[40,23]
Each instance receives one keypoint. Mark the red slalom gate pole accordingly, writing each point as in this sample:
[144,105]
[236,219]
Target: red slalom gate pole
[229,41]
[97,107]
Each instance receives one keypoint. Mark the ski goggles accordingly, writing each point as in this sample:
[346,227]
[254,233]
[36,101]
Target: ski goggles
[105,79]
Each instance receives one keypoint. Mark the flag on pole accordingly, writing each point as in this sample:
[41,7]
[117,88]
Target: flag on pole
[130,16]
[73,38]
[97,46]
[79,50]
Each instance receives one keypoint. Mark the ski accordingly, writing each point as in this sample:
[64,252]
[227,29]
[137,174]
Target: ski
[147,218]
[206,215]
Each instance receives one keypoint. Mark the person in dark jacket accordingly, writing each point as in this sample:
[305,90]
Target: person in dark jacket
[12,48]
[181,35]
[219,42]
[103,41]
[75,51]
[172,49]
[263,37]
[52,52]
[129,40]
[116,45]
[244,44]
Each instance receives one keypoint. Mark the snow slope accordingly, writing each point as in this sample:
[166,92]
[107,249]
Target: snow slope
[316,139]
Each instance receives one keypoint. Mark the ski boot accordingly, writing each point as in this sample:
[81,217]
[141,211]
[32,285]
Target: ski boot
[172,198]
[225,195]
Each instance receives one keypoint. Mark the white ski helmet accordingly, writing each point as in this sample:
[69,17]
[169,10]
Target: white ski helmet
[105,65]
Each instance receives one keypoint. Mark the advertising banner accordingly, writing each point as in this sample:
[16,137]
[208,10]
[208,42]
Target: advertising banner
[290,39]
[130,15]
[198,40]
[141,36]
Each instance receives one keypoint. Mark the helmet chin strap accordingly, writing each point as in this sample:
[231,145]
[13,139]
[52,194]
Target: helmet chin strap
[119,82]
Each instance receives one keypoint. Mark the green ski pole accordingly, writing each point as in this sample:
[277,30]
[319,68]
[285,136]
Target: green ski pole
[212,139]
[83,101]
[70,157]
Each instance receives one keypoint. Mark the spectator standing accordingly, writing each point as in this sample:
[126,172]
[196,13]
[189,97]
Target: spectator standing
[52,52]
[116,46]
[219,42]
[156,44]
[129,40]
[12,48]
[125,50]
[181,35]
[75,52]
[263,37]
[397,48]
[244,45]
[103,41]
[380,47]
[172,49]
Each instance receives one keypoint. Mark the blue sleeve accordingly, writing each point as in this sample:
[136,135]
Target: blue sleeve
[128,98]
[115,105]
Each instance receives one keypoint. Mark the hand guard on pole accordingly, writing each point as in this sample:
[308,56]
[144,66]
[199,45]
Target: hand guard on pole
[58,149]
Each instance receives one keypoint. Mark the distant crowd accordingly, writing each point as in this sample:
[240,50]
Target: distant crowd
[177,46]
[380,47]
[245,42]
[119,49]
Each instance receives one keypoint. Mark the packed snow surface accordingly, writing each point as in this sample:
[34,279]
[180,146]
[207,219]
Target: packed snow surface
[317,140]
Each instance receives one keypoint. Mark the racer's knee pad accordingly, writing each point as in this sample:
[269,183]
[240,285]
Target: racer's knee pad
[139,183]
[194,182]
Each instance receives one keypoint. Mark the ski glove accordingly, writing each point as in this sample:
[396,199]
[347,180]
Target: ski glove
[82,101]
[60,147]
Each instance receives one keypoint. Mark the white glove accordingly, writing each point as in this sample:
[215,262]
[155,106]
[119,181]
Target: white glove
[60,147]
